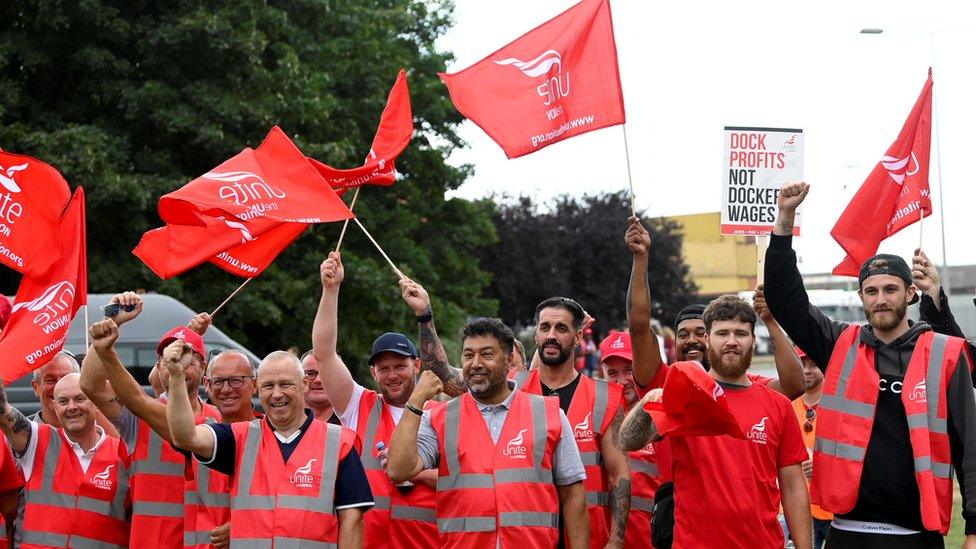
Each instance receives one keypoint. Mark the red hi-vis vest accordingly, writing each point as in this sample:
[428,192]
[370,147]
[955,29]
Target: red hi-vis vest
[846,415]
[278,504]
[65,507]
[490,493]
[648,469]
[591,412]
[206,504]
[159,483]
[398,519]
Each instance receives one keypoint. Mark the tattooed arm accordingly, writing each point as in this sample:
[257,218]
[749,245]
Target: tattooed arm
[432,354]
[617,469]
[638,428]
[14,424]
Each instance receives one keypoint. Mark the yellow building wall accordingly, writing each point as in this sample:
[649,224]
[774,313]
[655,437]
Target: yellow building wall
[719,264]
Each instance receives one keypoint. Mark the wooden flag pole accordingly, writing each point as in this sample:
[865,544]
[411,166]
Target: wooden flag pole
[352,205]
[762,242]
[921,216]
[398,272]
[630,179]
[231,296]
[86,327]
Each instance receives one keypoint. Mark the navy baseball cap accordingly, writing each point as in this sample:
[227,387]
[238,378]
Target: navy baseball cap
[392,342]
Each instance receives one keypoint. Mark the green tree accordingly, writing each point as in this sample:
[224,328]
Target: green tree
[575,248]
[132,99]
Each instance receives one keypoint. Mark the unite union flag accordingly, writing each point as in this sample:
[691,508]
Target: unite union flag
[557,81]
[895,194]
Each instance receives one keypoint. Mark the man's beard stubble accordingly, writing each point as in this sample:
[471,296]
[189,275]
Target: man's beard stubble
[730,370]
[898,313]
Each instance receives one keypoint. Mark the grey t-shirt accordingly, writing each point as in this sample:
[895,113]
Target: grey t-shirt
[567,466]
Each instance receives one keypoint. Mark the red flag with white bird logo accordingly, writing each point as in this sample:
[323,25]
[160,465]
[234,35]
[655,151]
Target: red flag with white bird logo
[557,81]
[895,194]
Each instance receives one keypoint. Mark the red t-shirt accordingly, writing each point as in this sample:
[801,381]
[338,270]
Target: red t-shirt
[726,489]
[10,475]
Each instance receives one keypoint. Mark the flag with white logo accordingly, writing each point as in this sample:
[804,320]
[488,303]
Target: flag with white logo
[44,306]
[274,181]
[242,249]
[895,194]
[557,81]
[32,197]
[392,136]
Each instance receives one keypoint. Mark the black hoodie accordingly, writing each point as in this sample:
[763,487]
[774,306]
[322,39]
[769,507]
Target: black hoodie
[888,490]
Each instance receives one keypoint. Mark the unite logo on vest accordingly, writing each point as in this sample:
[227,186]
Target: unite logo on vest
[582,430]
[515,449]
[918,393]
[302,477]
[103,480]
[758,432]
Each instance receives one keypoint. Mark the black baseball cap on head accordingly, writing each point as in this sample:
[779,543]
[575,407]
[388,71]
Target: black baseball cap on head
[888,264]
[392,342]
[690,312]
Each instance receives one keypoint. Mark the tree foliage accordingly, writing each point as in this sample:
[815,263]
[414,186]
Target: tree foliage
[133,98]
[575,248]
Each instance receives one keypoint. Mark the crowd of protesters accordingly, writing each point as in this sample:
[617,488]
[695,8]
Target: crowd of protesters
[634,441]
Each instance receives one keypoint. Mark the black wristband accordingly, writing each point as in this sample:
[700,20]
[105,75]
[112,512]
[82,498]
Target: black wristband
[426,317]
[414,409]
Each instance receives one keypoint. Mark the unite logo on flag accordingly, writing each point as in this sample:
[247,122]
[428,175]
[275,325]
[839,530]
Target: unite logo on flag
[247,189]
[53,306]
[553,87]
[898,168]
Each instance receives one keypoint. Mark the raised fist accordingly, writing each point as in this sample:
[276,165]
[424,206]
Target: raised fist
[331,271]
[791,195]
[104,334]
[177,356]
[429,386]
[127,300]
[415,296]
[637,238]
[200,323]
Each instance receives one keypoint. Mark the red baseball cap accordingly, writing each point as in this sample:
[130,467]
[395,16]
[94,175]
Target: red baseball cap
[183,334]
[616,344]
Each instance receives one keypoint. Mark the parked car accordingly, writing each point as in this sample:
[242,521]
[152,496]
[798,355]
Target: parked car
[136,345]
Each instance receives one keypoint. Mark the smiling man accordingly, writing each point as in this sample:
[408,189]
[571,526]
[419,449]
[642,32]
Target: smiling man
[77,480]
[295,481]
[897,412]
[404,514]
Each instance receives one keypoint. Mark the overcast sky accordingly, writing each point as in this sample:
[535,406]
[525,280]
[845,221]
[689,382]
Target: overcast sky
[690,68]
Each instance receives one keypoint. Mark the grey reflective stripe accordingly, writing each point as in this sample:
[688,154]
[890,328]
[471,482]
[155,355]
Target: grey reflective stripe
[280,543]
[409,512]
[526,518]
[53,499]
[839,449]
[381,502]
[196,538]
[153,462]
[643,466]
[602,395]
[203,495]
[253,503]
[368,457]
[839,401]
[641,504]
[597,498]
[540,429]
[466,524]
[504,476]
[592,458]
[249,459]
[467,480]
[941,470]
[452,421]
[157,509]
[330,467]
[78,542]
[43,538]
[521,377]
[933,383]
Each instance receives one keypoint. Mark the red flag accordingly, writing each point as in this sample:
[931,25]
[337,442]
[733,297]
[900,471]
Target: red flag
[274,181]
[392,136]
[44,306]
[895,194]
[557,81]
[32,197]
[242,249]
[693,404]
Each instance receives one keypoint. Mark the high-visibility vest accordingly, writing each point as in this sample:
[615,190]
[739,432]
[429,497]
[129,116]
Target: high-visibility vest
[399,519]
[846,415]
[13,481]
[66,507]
[591,412]
[649,467]
[490,492]
[277,504]
[159,482]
